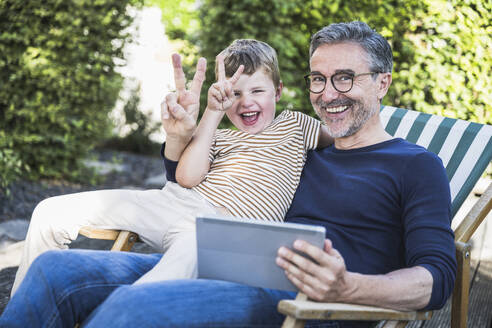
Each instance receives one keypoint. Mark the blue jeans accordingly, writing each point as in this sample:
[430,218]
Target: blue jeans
[94,288]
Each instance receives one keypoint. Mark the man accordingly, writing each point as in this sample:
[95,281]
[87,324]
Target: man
[385,204]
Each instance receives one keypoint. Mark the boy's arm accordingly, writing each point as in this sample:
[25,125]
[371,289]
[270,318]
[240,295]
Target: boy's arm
[325,139]
[315,132]
[194,163]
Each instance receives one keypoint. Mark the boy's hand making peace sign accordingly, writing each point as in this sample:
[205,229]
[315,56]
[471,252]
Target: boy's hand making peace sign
[221,95]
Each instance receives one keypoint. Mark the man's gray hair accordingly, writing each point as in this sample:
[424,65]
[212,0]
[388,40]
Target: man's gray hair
[377,47]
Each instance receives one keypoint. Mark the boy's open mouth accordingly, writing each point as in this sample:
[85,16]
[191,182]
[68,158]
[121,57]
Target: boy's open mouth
[250,118]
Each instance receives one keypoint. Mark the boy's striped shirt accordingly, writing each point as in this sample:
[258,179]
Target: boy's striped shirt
[256,176]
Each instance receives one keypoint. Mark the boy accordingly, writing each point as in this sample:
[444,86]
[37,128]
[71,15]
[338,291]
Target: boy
[233,172]
[243,171]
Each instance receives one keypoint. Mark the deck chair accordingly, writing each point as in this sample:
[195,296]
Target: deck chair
[465,149]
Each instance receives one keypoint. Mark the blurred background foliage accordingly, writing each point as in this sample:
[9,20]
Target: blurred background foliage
[138,125]
[57,82]
[58,57]
[442,52]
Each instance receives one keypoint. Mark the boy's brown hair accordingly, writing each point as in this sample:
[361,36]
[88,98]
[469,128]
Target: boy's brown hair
[253,54]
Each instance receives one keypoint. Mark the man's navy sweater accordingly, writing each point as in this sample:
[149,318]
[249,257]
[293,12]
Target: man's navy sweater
[385,207]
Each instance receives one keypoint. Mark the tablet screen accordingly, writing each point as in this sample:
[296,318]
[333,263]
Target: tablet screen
[244,250]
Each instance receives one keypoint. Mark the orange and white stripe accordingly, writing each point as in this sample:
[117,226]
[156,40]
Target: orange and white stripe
[256,176]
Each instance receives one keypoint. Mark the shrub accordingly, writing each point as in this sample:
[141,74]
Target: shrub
[441,48]
[57,81]
[137,128]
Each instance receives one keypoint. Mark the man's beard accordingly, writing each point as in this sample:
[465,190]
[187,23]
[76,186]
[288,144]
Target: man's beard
[359,115]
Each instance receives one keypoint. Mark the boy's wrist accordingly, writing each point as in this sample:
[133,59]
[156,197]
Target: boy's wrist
[217,113]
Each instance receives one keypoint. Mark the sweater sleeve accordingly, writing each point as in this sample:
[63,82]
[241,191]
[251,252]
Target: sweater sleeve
[428,237]
[169,166]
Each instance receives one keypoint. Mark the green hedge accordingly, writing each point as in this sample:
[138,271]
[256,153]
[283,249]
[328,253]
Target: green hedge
[57,82]
[441,48]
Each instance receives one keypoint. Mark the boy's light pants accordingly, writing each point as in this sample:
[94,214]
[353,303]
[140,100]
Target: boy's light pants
[164,219]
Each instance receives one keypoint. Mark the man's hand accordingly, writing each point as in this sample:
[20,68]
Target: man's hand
[325,279]
[220,95]
[179,110]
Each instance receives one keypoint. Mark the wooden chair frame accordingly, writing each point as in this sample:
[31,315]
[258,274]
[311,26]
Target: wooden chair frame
[123,240]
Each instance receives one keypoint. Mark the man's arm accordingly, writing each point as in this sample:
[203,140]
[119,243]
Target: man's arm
[169,165]
[327,280]
[179,110]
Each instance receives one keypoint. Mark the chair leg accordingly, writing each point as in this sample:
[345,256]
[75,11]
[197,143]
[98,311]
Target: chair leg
[459,308]
[394,324]
[292,322]
[124,241]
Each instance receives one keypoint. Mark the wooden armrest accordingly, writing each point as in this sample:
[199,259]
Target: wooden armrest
[124,240]
[96,233]
[475,217]
[308,310]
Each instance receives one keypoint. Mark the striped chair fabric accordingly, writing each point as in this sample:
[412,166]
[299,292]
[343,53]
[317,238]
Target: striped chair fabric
[465,148]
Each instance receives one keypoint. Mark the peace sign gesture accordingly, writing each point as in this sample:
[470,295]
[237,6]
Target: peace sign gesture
[179,110]
[220,95]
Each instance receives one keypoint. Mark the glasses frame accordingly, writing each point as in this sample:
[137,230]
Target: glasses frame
[308,81]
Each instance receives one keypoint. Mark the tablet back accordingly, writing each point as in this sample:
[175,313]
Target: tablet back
[244,250]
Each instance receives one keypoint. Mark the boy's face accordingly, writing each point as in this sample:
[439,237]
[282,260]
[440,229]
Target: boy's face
[254,107]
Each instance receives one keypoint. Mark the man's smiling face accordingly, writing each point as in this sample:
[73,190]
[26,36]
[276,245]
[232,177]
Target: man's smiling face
[344,113]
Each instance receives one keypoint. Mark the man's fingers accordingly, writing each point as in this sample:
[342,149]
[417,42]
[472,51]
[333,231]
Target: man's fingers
[296,271]
[175,110]
[314,252]
[199,77]
[305,288]
[303,280]
[179,77]
[164,111]
[298,260]
[237,75]
[221,76]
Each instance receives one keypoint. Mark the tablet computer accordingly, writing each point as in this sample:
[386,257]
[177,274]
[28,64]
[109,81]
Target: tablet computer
[244,250]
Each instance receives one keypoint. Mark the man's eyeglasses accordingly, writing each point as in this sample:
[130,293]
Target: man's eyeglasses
[342,81]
